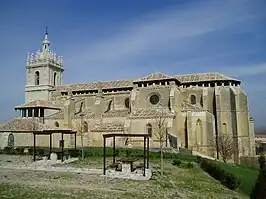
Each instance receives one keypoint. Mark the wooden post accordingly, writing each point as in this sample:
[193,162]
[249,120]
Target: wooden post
[113,149]
[144,159]
[148,150]
[34,147]
[104,155]
[62,147]
[75,140]
[50,144]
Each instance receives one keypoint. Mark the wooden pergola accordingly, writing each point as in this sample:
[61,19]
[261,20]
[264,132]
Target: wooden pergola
[50,132]
[145,149]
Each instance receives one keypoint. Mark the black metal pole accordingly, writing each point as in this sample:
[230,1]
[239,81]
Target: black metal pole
[62,147]
[104,155]
[34,147]
[144,159]
[113,149]
[148,151]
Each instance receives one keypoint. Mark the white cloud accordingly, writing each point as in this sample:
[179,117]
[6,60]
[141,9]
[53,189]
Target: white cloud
[175,30]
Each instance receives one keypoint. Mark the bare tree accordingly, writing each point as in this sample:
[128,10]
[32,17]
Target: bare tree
[227,147]
[161,134]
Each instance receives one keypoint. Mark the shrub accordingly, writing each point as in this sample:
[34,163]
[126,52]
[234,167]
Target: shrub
[40,151]
[190,165]
[21,151]
[30,151]
[176,162]
[198,159]
[73,153]
[259,190]
[226,178]
[8,150]
[261,161]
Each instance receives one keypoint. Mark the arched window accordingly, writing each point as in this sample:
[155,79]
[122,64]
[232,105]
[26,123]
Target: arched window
[149,129]
[10,140]
[37,78]
[85,127]
[56,124]
[193,99]
[200,136]
[55,78]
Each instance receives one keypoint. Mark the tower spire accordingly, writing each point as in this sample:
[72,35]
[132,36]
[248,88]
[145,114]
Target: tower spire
[46,30]
[45,43]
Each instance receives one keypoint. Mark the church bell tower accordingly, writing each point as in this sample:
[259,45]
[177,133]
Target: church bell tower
[44,71]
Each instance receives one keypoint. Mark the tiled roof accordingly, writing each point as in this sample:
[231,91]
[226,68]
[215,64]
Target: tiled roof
[56,116]
[108,127]
[202,77]
[26,125]
[191,107]
[116,113]
[39,104]
[199,77]
[155,76]
[60,115]
[96,85]
[148,113]
[85,113]
[260,136]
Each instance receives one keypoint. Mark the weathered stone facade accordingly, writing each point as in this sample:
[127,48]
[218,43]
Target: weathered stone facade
[196,107]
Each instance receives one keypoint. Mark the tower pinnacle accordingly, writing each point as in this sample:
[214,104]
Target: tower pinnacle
[45,43]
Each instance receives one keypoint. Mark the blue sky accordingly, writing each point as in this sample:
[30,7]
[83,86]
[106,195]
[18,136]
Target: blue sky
[107,40]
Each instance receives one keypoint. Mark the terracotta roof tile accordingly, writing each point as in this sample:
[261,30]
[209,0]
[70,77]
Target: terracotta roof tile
[199,77]
[202,77]
[116,113]
[96,85]
[148,113]
[108,127]
[155,76]
[56,116]
[60,115]
[185,106]
[39,104]
[85,113]
[26,125]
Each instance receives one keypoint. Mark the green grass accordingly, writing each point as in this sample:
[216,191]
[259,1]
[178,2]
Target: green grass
[246,175]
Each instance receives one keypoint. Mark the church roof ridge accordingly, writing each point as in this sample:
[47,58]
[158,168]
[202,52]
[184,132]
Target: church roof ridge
[185,78]
[39,104]
[155,76]
[26,125]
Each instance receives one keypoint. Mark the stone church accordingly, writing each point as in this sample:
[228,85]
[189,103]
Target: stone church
[195,108]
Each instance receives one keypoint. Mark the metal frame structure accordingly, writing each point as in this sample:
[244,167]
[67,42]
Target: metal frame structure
[113,135]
